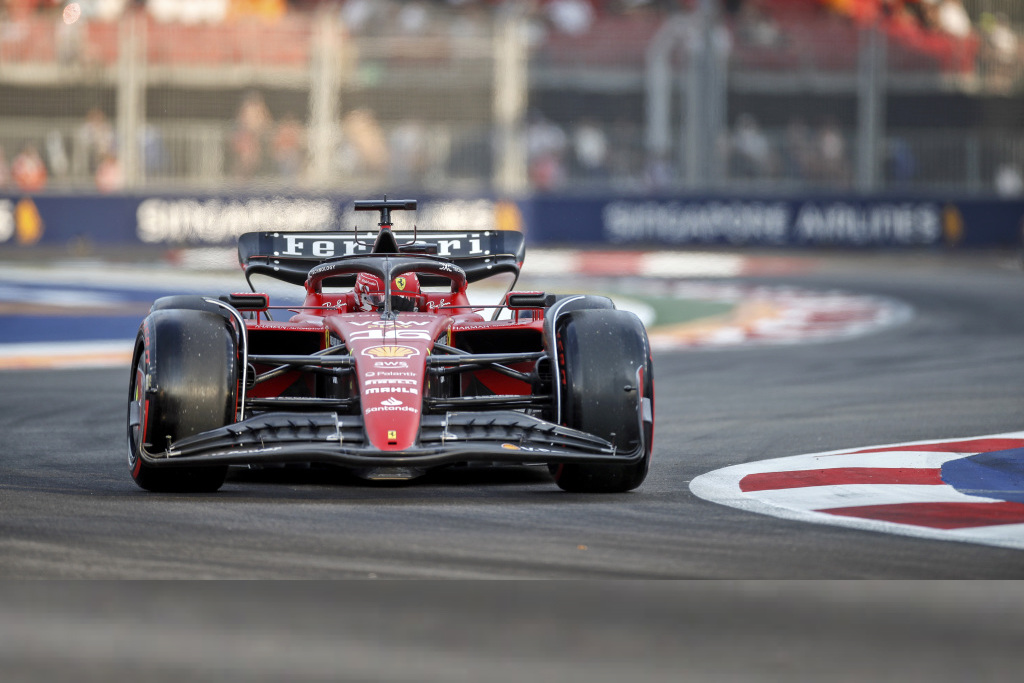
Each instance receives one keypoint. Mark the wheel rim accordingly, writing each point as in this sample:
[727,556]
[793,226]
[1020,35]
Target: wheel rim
[136,414]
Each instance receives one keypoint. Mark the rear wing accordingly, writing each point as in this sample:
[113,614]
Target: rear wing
[289,256]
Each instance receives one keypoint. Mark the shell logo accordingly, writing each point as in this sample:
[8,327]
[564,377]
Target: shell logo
[390,351]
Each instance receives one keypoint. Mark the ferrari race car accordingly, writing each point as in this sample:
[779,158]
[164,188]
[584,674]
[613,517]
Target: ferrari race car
[386,368]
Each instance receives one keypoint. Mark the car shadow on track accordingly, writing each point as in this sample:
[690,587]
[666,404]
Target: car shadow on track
[292,483]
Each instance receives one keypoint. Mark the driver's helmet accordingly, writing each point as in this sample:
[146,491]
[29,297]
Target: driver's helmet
[405,293]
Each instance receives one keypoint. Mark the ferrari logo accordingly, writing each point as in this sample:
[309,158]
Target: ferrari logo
[392,435]
[400,283]
[390,351]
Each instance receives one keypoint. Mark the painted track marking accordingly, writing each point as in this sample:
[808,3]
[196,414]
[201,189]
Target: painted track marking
[60,355]
[914,489]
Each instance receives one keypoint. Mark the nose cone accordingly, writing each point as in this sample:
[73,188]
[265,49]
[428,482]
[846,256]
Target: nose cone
[391,367]
[392,399]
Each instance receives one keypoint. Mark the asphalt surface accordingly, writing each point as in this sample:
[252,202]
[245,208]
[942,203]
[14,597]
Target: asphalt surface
[70,509]
[451,632]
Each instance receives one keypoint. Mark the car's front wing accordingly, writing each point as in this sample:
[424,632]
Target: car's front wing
[454,437]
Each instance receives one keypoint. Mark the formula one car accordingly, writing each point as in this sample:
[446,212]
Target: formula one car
[387,369]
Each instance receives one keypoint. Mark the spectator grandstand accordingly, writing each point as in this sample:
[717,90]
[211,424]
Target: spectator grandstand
[374,94]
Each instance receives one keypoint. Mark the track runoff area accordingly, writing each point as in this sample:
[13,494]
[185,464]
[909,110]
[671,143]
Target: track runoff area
[969,490]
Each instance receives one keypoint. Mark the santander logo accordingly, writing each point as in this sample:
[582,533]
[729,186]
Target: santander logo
[390,405]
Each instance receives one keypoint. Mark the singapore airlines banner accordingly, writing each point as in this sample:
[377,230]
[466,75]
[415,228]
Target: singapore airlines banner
[823,222]
[780,223]
[627,221]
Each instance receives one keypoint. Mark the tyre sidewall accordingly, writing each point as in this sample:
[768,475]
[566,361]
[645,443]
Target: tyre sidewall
[189,365]
[604,375]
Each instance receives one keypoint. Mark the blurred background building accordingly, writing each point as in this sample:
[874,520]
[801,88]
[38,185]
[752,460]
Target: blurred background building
[513,97]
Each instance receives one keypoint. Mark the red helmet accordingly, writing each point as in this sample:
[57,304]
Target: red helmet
[405,293]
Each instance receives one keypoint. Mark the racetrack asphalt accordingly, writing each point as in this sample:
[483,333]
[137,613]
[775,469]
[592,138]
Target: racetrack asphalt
[457,632]
[955,369]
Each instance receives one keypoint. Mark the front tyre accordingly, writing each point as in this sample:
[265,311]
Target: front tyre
[184,378]
[606,388]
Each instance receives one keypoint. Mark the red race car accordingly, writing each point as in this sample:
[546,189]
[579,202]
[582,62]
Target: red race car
[386,368]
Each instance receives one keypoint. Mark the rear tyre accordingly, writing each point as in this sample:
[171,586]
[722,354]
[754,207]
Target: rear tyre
[607,389]
[183,382]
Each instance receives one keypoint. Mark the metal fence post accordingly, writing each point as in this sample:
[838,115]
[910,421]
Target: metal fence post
[324,87]
[705,105]
[509,103]
[694,110]
[870,109]
[131,101]
[658,88]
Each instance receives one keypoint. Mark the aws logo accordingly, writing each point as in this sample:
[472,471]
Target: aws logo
[390,352]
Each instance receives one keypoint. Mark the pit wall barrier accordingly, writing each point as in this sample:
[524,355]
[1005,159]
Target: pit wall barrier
[624,221]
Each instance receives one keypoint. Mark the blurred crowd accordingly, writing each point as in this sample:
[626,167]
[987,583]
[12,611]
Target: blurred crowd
[967,36]
[91,150]
[811,156]
[184,11]
[571,149]
[567,17]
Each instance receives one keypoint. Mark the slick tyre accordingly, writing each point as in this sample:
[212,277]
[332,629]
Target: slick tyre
[606,388]
[184,379]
